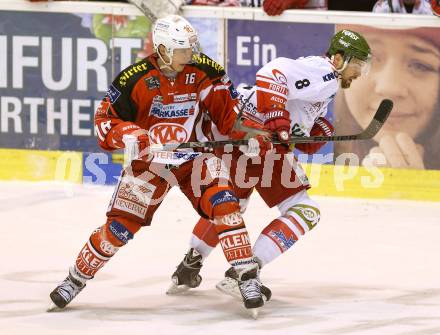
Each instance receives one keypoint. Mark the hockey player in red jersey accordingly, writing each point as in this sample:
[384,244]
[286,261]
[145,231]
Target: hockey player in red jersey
[174,95]
[291,98]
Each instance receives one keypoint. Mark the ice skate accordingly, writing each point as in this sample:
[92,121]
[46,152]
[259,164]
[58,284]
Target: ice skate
[249,287]
[64,293]
[186,275]
[229,286]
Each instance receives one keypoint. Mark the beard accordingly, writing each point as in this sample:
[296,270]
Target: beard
[345,83]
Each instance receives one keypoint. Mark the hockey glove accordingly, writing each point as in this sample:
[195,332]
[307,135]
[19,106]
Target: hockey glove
[259,141]
[277,7]
[278,122]
[257,146]
[322,127]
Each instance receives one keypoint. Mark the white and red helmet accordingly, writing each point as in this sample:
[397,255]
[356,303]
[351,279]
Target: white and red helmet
[175,32]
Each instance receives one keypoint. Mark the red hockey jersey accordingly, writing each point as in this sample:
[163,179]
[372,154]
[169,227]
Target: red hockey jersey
[178,110]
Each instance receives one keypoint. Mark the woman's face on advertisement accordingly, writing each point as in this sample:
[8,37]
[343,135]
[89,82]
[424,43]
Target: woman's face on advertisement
[404,69]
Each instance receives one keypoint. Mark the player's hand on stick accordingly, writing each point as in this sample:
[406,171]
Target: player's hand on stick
[137,145]
[257,146]
[278,122]
[322,127]
[259,138]
[397,150]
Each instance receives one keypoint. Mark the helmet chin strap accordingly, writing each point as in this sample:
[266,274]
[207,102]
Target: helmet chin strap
[166,65]
[344,65]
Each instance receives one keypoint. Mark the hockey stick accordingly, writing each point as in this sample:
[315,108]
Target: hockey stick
[379,119]
[155,9]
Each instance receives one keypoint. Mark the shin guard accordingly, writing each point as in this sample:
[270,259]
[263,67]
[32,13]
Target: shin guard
[104,242]
[282,233]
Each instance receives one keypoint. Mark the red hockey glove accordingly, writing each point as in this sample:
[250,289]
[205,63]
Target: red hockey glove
[278,122]
[132,138]
[277,7]
[322,127]
[114,138]
[137,145]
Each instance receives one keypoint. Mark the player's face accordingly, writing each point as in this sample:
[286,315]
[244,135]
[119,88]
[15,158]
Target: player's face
[353,71]
[404,69]
[181,57]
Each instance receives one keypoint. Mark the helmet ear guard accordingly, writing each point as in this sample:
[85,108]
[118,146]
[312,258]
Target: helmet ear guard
[349,44]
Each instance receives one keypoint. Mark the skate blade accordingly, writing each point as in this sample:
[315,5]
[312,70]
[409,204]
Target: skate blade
[53,308]
[229,286]
[177,289]
[254,313]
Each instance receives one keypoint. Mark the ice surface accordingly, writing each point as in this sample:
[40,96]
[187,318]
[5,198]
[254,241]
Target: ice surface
[370,267]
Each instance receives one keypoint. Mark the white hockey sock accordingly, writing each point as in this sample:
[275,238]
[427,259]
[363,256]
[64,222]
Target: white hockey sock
[266,250]
[200,246]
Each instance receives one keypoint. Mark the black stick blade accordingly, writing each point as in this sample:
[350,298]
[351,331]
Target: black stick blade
[383,111]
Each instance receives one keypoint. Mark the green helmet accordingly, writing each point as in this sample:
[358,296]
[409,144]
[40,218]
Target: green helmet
[349,44]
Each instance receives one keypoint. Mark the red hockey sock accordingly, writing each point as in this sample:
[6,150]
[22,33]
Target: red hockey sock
[104,242]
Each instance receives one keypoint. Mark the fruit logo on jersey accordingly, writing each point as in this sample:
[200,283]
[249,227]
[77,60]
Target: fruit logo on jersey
[168,133]
[279,77]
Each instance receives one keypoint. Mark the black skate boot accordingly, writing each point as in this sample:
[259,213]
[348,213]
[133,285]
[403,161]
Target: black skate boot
[64,293]
[229,285]
[187,275]
[249,287]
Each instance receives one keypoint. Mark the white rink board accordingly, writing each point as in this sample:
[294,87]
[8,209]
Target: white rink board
[370,267]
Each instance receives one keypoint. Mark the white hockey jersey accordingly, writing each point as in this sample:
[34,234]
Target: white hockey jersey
[303,86]
[397,6]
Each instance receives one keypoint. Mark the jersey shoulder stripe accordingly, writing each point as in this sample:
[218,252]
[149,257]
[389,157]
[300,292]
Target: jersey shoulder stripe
[208,66]
[128,77]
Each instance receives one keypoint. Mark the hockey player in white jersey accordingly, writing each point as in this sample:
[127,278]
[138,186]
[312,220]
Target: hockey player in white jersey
[291,98]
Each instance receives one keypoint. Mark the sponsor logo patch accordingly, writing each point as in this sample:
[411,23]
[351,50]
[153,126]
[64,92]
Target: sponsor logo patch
[185,97]
[281,239]
[279,77]
[225,79]
[202,59]
[168,133]
[310,214]
[113,94]
[187,156]
[162,26]
[102,109]
[234,241]
[120,232]
[152,82]
[134,198]
[131,71]
[330,76]
[108,248]
[222,197]
[172,111]
[232,91]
